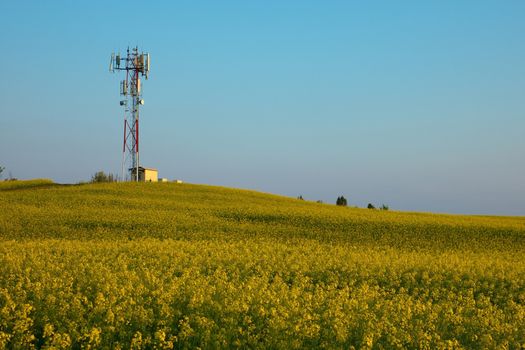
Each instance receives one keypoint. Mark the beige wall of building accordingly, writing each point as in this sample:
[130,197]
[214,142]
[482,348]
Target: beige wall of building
[151,175]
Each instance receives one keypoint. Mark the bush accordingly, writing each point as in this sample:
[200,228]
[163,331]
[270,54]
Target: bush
[103,177]
[370,206]
[384,207]
[341,201]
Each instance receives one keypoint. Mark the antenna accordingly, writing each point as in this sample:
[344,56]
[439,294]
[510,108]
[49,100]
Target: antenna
[111,70]
[133,64]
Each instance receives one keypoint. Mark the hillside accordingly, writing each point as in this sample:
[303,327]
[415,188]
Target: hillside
[179,265]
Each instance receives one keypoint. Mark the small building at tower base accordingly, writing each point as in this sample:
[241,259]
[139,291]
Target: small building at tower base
[145,174]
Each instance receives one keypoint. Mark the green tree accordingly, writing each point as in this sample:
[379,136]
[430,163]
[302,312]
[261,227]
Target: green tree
[341,201]
[384,207]
[1,171]
[101,176]
[370,206]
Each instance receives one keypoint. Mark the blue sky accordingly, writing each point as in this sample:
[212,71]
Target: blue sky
[419,105]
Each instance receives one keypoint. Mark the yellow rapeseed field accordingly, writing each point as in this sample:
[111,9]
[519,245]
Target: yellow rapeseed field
[164,265]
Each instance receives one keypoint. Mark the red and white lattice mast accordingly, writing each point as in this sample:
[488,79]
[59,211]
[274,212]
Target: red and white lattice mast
[135,65]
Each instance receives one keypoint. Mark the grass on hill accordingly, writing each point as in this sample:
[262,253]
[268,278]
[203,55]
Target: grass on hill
[127,265]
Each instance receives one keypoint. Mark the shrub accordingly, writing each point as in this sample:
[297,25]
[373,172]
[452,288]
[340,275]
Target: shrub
[370,206]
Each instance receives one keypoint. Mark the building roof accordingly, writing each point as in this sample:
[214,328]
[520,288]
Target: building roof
[143,168]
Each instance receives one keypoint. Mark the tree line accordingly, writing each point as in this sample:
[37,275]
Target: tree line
[342,202]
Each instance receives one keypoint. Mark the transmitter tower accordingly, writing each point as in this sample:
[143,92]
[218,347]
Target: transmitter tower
[135,65]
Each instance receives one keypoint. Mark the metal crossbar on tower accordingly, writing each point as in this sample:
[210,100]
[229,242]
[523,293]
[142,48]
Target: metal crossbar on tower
[135,65]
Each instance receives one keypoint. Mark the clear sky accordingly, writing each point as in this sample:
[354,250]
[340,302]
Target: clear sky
[416,104]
